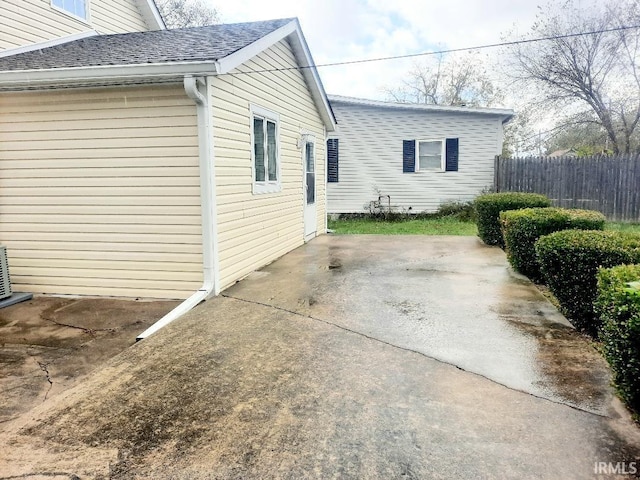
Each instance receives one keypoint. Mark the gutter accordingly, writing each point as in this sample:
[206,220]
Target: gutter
[71,75]
[207,202]
[503,112]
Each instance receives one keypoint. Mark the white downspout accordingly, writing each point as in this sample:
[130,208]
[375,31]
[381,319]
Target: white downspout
[207,202]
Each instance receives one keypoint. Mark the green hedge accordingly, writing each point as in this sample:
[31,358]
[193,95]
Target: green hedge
[618,304]
[522,228]
[489,206]
[569,261]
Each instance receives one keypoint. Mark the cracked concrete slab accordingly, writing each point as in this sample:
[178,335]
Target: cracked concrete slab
[49,343]
[288,380]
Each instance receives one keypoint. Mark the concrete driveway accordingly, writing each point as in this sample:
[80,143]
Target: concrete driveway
[351,357]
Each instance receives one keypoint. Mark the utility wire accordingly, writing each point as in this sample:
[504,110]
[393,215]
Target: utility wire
[441,52]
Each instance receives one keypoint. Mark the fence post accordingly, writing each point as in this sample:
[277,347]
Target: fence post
[496,173]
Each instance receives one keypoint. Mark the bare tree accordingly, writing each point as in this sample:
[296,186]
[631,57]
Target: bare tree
[520,135]
[187,13]
[583,138]
[448,81]
[589,79]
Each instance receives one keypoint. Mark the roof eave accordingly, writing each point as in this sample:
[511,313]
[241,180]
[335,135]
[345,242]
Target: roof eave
[293,31]
[507,118]
[24,79]
[505,113]
[301,49]
[237,58]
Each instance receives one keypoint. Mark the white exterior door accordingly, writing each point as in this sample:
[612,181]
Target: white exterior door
[309,164]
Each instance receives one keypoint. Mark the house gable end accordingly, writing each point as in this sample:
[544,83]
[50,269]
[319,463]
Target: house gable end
[293,33]
[255,227]
[36,22]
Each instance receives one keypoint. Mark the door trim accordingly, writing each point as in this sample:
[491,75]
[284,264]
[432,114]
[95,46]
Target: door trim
[310,211]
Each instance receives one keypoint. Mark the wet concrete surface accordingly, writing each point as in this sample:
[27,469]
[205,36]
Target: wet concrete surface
[48,344]
[351,357]
[450,298]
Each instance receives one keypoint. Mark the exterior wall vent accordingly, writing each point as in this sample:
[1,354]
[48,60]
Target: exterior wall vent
[5,281]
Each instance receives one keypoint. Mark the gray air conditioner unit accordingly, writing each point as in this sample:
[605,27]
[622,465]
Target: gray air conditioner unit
[5,281]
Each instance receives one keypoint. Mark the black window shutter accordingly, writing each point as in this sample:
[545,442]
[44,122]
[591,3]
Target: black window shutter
[408,156]
[451,161]
[332,160]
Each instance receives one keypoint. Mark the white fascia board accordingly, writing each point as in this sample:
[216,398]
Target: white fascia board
[503,112]
[303,57]
[63,76]
[301,49]
[151,14]
[47,43]
[234,60]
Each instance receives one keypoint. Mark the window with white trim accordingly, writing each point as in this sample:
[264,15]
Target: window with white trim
[77,8]
[266,150]
[430,155]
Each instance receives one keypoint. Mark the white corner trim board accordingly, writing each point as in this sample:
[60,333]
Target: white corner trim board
[211,281]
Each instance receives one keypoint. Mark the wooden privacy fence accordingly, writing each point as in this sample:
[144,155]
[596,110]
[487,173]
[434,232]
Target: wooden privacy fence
[610,185]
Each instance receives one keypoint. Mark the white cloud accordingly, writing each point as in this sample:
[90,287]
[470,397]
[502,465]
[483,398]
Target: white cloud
[343,30]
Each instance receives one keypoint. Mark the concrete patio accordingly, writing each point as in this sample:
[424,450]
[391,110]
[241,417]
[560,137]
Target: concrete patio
[49,344]
[350,357]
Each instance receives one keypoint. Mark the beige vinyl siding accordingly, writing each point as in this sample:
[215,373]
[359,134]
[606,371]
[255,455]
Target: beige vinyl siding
[117,16]
[370,157]
[100,191]
[254,230]
[24,22]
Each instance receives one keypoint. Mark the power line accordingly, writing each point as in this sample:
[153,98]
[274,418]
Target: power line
[441,52]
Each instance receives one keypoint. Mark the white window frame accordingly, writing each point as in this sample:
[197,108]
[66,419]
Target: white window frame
[86,20]
[443,159]
[267,186]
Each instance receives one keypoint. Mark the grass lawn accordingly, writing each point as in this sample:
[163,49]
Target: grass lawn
[435,226]
[623,227]
[432,226]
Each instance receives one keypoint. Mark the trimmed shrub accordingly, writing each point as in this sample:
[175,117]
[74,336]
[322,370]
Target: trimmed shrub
[489,206]
[618,304]
[522,228]
[569,261]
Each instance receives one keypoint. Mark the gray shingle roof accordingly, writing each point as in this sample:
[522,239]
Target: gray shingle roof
[163,46]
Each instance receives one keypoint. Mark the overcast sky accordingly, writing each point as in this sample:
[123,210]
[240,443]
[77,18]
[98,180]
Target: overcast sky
[342,30]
